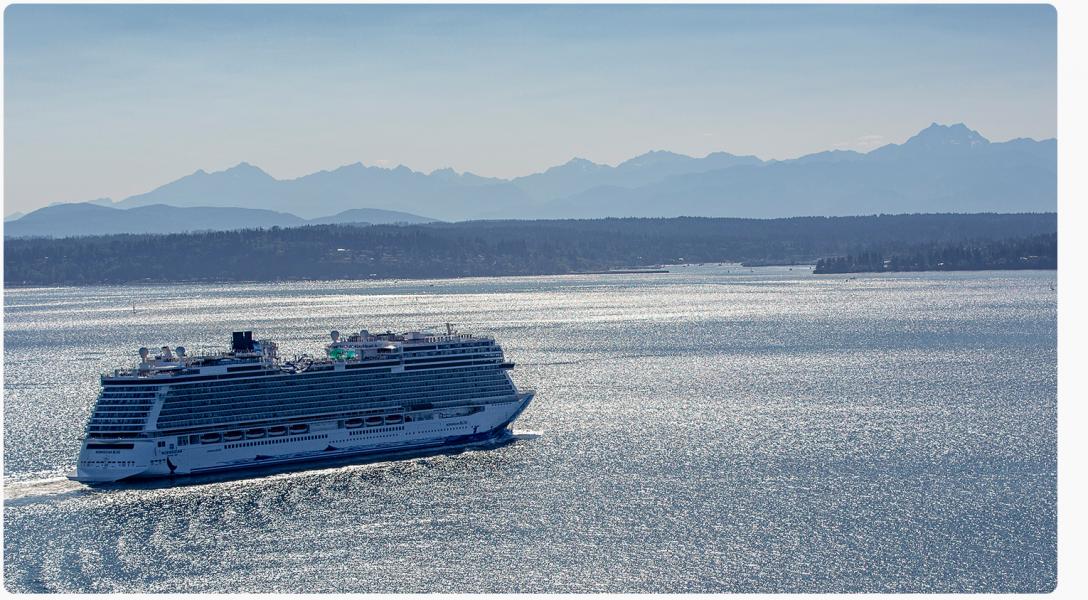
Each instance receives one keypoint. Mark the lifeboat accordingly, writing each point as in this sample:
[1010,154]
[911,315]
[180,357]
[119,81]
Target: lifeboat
[210,438]
[232,436]
[353,423]
[300,428]
[277,430]
[394,419]
[372,421]
[255,433]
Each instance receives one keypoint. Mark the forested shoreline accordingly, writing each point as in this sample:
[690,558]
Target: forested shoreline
[1032,252]
[487,248]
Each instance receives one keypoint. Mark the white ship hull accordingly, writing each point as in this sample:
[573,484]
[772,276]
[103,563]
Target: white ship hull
[103,461]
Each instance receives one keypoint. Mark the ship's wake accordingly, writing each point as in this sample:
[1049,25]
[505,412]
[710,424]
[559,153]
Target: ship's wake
[32,490]
[527,434]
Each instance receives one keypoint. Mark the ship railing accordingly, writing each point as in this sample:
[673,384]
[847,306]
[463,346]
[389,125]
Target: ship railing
[456,337]
[290,400]
[187,364]
[228,421]
[127,373]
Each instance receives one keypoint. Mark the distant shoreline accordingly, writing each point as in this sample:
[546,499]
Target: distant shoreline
[14,286]
[1036,252]
[621,272]
[511,248]
[415,279]
[972,270]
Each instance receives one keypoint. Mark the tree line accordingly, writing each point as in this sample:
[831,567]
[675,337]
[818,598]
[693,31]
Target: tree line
[484,248]
[1032,252]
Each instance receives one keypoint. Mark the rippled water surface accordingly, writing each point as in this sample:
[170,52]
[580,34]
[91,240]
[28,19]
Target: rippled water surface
[710,429]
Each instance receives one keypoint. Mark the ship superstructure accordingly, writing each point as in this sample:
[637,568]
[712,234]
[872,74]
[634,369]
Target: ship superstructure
[176,414]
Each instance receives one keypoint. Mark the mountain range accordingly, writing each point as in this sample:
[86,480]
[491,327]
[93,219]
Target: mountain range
[86,218]
[943,168]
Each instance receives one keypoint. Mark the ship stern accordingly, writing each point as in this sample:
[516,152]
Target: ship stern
[105,461]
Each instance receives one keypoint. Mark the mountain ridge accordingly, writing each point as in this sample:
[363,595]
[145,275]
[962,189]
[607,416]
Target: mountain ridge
[966,176]
[941,167]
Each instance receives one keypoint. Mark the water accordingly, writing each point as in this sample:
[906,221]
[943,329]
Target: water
[714,429]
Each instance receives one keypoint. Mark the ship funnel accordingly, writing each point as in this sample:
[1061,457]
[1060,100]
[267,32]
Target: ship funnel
[335,335]
[242,341]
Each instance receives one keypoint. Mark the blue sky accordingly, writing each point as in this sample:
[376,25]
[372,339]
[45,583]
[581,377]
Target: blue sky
[113,100]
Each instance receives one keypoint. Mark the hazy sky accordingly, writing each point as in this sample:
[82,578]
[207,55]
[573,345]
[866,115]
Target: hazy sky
[116,100]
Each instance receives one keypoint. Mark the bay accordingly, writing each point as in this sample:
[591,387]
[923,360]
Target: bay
[711,429]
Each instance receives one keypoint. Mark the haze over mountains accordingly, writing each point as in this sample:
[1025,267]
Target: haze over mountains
[940,169]
[85,218]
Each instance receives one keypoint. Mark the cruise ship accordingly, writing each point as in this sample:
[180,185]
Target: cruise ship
[176,414]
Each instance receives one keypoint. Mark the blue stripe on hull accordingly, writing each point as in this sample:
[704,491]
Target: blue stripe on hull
[319,456]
